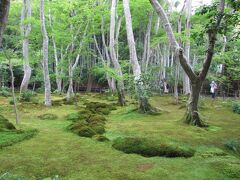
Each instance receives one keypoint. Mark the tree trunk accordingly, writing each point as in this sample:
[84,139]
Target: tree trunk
[117,67]
[47,83]
[4,11]
[26,29]
[144,105]
[186,82]
[13,94]
[192,115]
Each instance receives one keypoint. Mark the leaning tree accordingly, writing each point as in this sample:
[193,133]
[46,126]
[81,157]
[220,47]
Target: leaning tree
[196,79]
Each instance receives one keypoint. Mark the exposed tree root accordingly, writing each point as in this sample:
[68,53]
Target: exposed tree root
[194,119]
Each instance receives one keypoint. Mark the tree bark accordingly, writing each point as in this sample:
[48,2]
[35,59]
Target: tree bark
[13,94]
[26,30]
[144,105]
[117,67]
[4,11]
[47,83]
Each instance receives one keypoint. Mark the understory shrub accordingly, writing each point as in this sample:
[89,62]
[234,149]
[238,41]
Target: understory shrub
[236,107]
[26,96]
[148,148]
[48,116]
[5,91]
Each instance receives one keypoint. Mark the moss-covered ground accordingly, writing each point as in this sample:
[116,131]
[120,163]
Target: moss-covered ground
[56,152]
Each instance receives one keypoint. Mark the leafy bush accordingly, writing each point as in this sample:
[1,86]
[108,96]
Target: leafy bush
[5,91]
[236,108]
[26,96]
[48,116]
[149,148]
[10,100]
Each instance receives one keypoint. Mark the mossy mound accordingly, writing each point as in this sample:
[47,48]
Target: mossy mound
[98,128]
[5,124]
[73,117]
[100,108]
[233,145]
[86,131]
[9,138]
[48,116]
[100,138]
[95,118]
[84,114]
[148,148]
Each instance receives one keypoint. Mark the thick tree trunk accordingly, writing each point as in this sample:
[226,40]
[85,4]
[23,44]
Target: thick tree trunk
[47,83]
[4,11]
[192,115]
[144,105]
[117,67]
[26,29]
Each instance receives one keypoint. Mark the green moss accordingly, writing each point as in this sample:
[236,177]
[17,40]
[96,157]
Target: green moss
[9,138]
[233,145]
[73,117]
[149,148]
[98,128]
[48,116]
[5,124]
[96,118]
[100,138]
[84,114]
[86,131]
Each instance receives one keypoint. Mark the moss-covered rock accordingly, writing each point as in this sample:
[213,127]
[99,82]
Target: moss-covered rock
[97,107]
[48,116]
[149,148]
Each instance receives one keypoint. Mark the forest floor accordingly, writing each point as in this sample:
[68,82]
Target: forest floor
[54,151]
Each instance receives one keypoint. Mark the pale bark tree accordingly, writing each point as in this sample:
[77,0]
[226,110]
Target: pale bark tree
[4,11]
[117,67]
[192,115]
[26,30]
[144,105]
[47,83]
[186,81]
[57,71]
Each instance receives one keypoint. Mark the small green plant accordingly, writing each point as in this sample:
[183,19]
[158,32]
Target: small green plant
[5,91]
[26,96]
[236,107]
[73,117]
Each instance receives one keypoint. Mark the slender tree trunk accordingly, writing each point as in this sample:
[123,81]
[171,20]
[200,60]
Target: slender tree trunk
[13,94]
[117,67]
[186,82]
[26,29]
[47,83]
[144,105]
[4,11]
